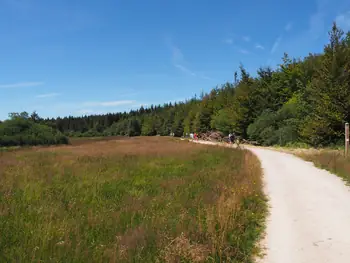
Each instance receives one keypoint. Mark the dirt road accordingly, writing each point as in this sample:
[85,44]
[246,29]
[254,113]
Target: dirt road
[309,218]
[309,214]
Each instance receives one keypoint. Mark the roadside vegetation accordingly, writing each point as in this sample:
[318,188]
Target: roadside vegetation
[331,160]
[134,200]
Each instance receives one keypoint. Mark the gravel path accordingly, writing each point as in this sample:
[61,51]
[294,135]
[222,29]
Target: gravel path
[309,219]
[310,211]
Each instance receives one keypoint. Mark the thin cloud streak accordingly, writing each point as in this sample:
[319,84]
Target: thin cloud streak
[177,54]
[21,85]
[258,46]
[205,77]
[276,45]
[228,41]
[109,103]
[244,51]
[343,21]
[184,69]
[288,26]
[270,62]
[85,111]
[315,28]
[48,95]
[317,19]
[191,73]
[139,105]
[246,38]
[179,62]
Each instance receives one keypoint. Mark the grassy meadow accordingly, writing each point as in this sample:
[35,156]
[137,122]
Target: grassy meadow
[130,200]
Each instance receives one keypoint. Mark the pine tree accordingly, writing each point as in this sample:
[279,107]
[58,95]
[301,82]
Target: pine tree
[330,93]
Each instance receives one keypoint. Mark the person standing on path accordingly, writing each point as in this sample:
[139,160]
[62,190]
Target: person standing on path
[231,138]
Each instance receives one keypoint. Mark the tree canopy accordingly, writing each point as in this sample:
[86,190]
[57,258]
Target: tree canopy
[302,100]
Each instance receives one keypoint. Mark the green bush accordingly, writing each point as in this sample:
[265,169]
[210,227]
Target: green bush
[21,130]
[280,127]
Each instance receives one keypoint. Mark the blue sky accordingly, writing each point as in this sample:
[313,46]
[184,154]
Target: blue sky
[74,57]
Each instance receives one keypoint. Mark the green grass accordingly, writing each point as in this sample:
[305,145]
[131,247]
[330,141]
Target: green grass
[141,200]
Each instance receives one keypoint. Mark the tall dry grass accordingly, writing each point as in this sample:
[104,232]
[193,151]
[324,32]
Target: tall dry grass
[136,200]
[333,161]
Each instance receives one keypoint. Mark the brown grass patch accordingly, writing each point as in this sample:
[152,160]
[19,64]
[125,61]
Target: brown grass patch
[181,249]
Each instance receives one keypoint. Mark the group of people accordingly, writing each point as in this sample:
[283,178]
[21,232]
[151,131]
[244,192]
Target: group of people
[194,136]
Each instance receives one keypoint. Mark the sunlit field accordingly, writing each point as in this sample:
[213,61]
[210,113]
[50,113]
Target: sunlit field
[130,200]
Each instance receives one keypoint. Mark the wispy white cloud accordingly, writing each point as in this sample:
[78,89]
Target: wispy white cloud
[191,73]
[84,111]
[288,26]
[48,95]
[276,45]
[178,59]
[203,76]
[270,62]
[316,25]
[246,38]
[228,41]
[184,69]
[258,46]
[317,19]
[343,21]
[177,54]
[314,30]
[21,85]
[109,103]
[179,62]
[244,51]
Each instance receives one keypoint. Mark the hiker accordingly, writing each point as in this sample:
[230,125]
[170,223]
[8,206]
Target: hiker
[232,137]
[191,136]
[195,136]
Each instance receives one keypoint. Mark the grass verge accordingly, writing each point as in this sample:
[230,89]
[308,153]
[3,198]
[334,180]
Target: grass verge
[135,200]
[333,161]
